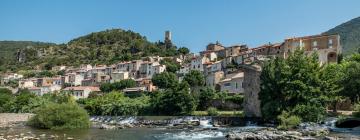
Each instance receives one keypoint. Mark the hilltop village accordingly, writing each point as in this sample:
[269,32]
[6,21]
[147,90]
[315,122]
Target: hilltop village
[224,67]
[234,70]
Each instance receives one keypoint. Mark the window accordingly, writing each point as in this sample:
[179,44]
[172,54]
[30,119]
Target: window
[227,84]
[315,44]
[236,85]
[330,43]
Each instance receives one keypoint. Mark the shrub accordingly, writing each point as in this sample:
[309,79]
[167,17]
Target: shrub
[288,121]
[212,111]
[60,116]
[115,103]
[311,112]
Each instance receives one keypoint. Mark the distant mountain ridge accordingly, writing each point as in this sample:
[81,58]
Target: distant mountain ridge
[349,35]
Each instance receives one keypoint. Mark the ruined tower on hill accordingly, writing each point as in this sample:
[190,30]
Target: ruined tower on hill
[167,41]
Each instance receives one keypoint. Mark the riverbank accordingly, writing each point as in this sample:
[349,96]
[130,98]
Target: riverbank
[10,119]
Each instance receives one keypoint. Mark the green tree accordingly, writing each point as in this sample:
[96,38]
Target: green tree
[206,96]
[183,50]
[176,101]
[171,65]
[195,78]
[108,87]
[351,81]
[331,77]
[287,83]
[165,80]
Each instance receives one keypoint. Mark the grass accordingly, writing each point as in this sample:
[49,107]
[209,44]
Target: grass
[221,113]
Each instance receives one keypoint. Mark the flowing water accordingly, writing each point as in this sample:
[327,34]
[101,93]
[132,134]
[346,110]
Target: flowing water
[204,131]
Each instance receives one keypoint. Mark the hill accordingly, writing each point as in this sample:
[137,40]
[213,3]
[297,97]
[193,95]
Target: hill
[349,34]
[8,50]
[104,47]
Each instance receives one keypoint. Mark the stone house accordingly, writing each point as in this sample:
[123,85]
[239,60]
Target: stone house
[27,83]
[327,46]
[81,91]
[212,79]
[197,63]
[118,76]
[233,83]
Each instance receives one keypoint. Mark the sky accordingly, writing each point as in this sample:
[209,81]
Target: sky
[193,23]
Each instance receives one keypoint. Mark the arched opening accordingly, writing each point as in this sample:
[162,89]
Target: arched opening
[332,57]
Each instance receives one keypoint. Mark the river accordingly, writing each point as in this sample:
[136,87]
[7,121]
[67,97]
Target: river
[203,131]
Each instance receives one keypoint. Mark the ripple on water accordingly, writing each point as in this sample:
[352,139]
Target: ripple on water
[186,135]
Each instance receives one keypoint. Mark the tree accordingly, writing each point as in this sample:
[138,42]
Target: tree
[176,101]
[108,87]
[127,83]
[206,95]
[165,80]
[195,79]
[288,83]
[183,50]
[331,77]
[351,81]
[171,65]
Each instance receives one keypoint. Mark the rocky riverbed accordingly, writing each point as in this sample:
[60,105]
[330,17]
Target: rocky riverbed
[10,119]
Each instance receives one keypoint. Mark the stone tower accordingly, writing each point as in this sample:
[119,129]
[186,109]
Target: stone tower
[167,40]
[251,90]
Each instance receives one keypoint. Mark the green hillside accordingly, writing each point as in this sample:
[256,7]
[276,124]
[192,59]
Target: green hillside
[350,35]
[104,47]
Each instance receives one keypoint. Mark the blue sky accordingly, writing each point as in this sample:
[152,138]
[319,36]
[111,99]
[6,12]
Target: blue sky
[194,23]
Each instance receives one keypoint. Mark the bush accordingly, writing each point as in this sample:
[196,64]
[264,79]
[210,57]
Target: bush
[60,116]
[115,103]
[212,111]
[288,121]
[311,112]
[5,97]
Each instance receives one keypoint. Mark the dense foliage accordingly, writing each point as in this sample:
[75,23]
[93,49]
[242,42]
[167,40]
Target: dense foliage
[165,80]
[60,116]
[116,104]
[117,86]
[292,85]
[174,101]
[8,50]
[298,85]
